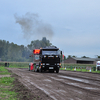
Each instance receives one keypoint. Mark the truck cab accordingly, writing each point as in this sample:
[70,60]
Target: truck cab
[50,59]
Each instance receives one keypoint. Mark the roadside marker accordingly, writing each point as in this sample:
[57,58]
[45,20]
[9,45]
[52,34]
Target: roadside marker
[90,70]
[65,68]
[75,69]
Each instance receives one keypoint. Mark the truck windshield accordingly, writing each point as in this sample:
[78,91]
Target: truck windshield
[51,52]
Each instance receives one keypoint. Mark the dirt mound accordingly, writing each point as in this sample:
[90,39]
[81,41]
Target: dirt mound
[23,92]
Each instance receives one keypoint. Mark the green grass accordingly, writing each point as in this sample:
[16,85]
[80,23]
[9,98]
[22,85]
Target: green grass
[6,85]
[78,65]
[16,64]
[5,89]
[3,71]
[19,64]
[81,69]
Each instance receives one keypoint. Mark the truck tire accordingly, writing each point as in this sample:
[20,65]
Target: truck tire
[57,70]
[35,70]
[29,68]
[40,70]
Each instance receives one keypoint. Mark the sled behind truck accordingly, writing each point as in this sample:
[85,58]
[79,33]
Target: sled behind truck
[46,59]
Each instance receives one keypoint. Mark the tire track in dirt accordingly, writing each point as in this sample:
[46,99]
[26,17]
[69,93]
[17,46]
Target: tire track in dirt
[83,75]
[62,86]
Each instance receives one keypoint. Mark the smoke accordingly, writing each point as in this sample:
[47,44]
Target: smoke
[33,27]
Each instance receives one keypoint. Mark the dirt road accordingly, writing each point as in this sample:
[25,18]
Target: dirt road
[65,85]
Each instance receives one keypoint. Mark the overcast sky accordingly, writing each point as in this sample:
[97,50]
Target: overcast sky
[71,25]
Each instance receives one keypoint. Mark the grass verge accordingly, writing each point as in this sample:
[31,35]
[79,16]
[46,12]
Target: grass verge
[5,89]
[6,85]
[80,69]
[4,71]
[16,64]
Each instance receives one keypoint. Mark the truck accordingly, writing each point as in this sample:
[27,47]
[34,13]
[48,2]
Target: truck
[97,65]
[46,59]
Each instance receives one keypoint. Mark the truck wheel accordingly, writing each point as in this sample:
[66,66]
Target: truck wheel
[57,70]
[35,69]
[29,68]
[40,70]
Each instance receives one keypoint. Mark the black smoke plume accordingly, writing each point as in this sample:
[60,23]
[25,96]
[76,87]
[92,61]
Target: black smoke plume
[33,27]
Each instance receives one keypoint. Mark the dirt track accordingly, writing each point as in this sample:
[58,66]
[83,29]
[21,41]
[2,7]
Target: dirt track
[65,85]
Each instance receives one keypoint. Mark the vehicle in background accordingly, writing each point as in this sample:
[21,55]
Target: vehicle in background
[98,65]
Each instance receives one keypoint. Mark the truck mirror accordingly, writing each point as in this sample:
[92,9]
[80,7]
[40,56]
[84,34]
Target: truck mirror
[40,51]
[61,52]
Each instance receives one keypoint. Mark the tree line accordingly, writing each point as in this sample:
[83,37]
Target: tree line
[20,53]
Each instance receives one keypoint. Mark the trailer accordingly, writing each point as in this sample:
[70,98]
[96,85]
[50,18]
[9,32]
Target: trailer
[46,59]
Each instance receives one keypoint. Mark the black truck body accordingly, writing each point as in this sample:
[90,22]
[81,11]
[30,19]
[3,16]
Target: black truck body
[48,59]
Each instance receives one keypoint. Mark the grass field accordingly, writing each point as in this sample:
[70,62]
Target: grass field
[16,64]
[6,85]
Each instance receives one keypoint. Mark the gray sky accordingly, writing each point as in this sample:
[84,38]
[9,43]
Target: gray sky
[71,25]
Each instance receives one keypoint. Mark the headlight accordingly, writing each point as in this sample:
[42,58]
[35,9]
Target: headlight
[57,63]
[56,56]
[44,56]
[43,64]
